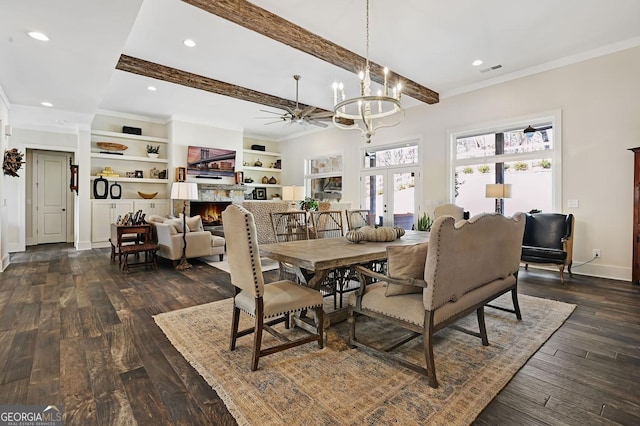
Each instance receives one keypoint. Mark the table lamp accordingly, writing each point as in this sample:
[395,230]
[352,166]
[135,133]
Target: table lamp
[499,191]
[292,194]
[184,191]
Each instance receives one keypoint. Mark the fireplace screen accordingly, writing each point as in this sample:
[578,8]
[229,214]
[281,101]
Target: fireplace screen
[209,211]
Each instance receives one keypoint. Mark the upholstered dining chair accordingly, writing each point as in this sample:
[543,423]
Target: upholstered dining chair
[267,304]
[456,212]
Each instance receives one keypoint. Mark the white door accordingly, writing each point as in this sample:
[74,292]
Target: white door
[51,185]
[390,194]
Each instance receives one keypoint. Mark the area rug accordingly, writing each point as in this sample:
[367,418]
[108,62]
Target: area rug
[342,386]
[267,264]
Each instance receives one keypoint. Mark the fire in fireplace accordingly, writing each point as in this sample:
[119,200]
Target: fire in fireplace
[209,211]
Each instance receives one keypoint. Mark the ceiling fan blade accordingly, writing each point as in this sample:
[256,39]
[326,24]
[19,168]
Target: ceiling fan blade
[271,112]
[320,115]
[273,122]
[308,110]
[316,123]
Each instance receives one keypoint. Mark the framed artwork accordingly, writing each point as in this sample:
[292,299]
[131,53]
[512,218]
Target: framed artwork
[261,193]
[139,174]
[239,178]
[181,174]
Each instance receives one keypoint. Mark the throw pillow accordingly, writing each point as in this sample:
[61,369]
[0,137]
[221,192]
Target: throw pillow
[178,225]
[194,223]
[155,218]
[406,262]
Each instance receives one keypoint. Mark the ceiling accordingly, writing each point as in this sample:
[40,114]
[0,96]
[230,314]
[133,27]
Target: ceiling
[430,42]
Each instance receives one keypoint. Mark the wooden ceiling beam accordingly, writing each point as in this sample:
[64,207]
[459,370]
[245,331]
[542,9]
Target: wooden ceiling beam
[254,18]
[185,78]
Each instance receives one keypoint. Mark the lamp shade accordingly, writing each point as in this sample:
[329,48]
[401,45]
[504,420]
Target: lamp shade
[292,193]
[498,190]
[184,191]
[529,131]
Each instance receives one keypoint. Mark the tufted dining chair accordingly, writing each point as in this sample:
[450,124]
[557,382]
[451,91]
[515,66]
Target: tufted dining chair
[267,304]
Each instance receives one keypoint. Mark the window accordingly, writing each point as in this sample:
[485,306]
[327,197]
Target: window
[530,163]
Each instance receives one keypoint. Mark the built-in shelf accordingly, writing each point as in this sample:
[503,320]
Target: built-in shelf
[262,169]
[129,158]
[129,136]
[263,153]
[263,185]
[126,179]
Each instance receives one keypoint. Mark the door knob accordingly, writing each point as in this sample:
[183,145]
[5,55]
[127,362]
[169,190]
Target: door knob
[64,210]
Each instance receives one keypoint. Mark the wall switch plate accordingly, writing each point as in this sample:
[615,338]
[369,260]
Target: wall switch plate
[574,204]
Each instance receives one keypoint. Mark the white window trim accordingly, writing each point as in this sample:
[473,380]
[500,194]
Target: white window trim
[553,117]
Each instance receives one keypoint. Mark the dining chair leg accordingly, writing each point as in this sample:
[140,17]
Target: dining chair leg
[235,320]
[320,326]
[257,342]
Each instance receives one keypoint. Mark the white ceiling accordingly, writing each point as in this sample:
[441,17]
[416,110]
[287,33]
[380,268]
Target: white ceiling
[429,41]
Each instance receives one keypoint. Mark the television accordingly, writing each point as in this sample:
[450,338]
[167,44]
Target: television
[210,162]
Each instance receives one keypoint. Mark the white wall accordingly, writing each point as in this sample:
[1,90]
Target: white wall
[4,202]
[600,104]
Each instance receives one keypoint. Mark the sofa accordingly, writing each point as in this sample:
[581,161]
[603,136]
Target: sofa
[548,239]
[465,265]
[200,243]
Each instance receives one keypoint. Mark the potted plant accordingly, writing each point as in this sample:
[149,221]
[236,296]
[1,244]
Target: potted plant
[153,151]
[309,204]
[424,223]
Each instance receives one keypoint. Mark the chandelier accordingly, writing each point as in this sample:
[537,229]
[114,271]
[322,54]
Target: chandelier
[367,112]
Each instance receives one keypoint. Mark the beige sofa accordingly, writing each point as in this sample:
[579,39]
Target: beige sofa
[200,243]
[463,267]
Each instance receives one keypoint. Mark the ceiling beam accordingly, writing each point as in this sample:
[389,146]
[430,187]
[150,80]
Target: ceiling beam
[185,78]
[254,18]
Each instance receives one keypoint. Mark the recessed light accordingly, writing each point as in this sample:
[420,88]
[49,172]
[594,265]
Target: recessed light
[38,36]
[189,43]
[47,104]
[151,88]
[477,62]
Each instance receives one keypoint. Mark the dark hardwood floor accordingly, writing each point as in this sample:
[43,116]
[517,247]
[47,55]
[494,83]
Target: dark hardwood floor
[76,331]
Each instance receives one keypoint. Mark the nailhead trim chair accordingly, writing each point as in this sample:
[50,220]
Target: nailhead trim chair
[267,304]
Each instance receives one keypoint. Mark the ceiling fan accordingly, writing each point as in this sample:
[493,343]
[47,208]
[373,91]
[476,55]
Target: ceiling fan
[302,116]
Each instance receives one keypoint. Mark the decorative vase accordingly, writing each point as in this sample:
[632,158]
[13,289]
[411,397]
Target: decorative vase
[273,180]
[115,191]
[100,188]
[152,155]
[258,163]
[265,179]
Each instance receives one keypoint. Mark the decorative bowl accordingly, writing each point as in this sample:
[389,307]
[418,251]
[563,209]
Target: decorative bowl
[147,195]
[111,146]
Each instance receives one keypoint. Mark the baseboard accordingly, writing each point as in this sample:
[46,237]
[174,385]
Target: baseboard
[83,245]
[5,262]
[593,270]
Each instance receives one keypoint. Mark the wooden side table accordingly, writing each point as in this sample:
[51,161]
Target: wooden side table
[142,244]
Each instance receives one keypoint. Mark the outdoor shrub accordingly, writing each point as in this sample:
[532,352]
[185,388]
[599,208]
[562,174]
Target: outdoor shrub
[484,169]
[467,170]
[545,164]
[521,166]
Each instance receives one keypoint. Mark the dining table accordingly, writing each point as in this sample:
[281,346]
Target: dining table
[314,259]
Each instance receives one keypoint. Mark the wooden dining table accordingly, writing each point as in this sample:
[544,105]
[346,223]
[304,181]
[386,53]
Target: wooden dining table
[314,259]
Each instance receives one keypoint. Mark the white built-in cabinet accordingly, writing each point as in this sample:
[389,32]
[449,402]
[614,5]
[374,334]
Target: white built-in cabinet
[125,163]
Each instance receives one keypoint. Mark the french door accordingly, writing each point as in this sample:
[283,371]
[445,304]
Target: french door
[390,194]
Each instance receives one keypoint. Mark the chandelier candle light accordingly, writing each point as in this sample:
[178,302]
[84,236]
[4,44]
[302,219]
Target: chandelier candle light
[368,112]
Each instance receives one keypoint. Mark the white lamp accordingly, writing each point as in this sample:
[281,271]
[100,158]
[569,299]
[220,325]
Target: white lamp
[498,191]
[184,191]
[292,194]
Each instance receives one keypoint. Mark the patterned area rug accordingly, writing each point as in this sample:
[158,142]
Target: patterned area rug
[342,386]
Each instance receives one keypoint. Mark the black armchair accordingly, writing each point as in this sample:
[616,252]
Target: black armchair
[548,239]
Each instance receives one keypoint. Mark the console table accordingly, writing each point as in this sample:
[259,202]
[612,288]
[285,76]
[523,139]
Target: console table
[142,243]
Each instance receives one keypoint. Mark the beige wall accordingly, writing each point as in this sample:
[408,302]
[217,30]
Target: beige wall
[599,101]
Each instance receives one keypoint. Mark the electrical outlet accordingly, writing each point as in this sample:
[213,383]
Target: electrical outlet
[596,253]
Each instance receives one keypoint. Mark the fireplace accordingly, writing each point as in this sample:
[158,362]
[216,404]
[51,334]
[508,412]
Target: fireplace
[209,211]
